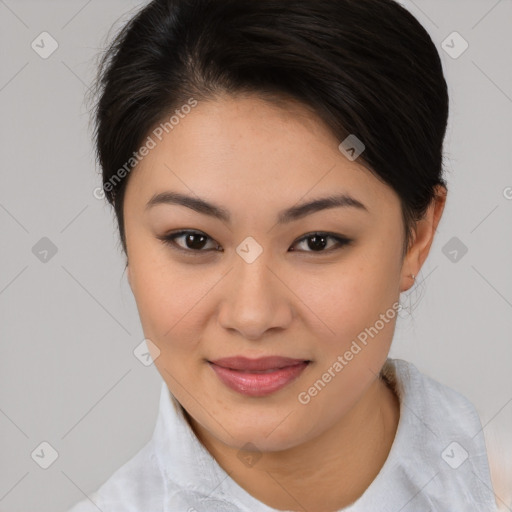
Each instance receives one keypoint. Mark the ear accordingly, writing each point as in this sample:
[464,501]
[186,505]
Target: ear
[423,237]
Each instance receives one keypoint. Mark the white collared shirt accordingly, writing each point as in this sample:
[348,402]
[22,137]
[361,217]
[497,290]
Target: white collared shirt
[437,463]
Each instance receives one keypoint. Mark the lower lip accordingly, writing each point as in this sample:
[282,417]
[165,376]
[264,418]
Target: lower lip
[258,384]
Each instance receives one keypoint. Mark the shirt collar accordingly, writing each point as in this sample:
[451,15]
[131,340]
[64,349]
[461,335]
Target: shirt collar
[181,456]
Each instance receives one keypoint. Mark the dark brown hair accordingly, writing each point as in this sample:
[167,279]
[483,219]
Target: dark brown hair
[365,67]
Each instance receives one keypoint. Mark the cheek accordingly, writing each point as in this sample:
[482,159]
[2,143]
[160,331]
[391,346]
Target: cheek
[353,306]
[346,299]
[169,300]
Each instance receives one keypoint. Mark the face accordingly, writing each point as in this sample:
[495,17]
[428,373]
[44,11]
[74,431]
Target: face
[316,288]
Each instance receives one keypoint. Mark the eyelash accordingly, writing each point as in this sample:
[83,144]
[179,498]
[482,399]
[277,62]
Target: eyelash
[170,241]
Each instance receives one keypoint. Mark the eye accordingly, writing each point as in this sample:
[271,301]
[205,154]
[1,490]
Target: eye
[319,240]
[193,242]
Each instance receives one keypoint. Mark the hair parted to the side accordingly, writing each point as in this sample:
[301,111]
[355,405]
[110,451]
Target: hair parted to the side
[364,67]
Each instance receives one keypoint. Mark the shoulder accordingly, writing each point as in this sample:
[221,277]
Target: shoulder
[136,485]
[439,405]
[441,435]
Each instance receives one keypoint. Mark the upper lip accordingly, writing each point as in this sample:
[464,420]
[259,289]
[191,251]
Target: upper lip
[261,363]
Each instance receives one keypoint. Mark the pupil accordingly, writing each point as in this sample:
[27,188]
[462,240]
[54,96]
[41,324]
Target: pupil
[193,244]
[318,242]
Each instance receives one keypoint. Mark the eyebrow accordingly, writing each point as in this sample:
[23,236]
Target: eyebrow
[284,216]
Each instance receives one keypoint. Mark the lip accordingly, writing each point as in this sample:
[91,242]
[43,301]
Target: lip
[258,377]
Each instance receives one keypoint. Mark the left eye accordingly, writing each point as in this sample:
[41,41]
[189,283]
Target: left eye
[195,241]
[318,241]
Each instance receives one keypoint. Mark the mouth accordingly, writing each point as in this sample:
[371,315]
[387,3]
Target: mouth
[258,377]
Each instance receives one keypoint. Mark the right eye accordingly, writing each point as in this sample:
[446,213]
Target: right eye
[193,242]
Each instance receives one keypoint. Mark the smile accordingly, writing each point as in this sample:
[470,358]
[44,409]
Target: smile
[258,377]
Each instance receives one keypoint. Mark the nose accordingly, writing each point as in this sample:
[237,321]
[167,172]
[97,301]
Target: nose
[255,299]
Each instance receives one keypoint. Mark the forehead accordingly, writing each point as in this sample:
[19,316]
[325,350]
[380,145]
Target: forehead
[250,150]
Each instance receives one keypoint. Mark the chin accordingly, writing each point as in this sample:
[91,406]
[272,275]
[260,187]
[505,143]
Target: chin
[260,442]
[267,435]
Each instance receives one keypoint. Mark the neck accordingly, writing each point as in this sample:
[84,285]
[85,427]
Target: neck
[313,475]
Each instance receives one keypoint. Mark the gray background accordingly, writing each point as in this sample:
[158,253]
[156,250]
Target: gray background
[69,324]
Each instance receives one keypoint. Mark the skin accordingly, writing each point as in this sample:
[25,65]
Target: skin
[254,159]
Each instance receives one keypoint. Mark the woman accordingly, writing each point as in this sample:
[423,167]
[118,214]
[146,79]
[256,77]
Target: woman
[276,172]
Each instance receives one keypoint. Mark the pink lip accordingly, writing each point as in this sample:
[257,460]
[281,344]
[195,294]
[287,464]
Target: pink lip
[258,377]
